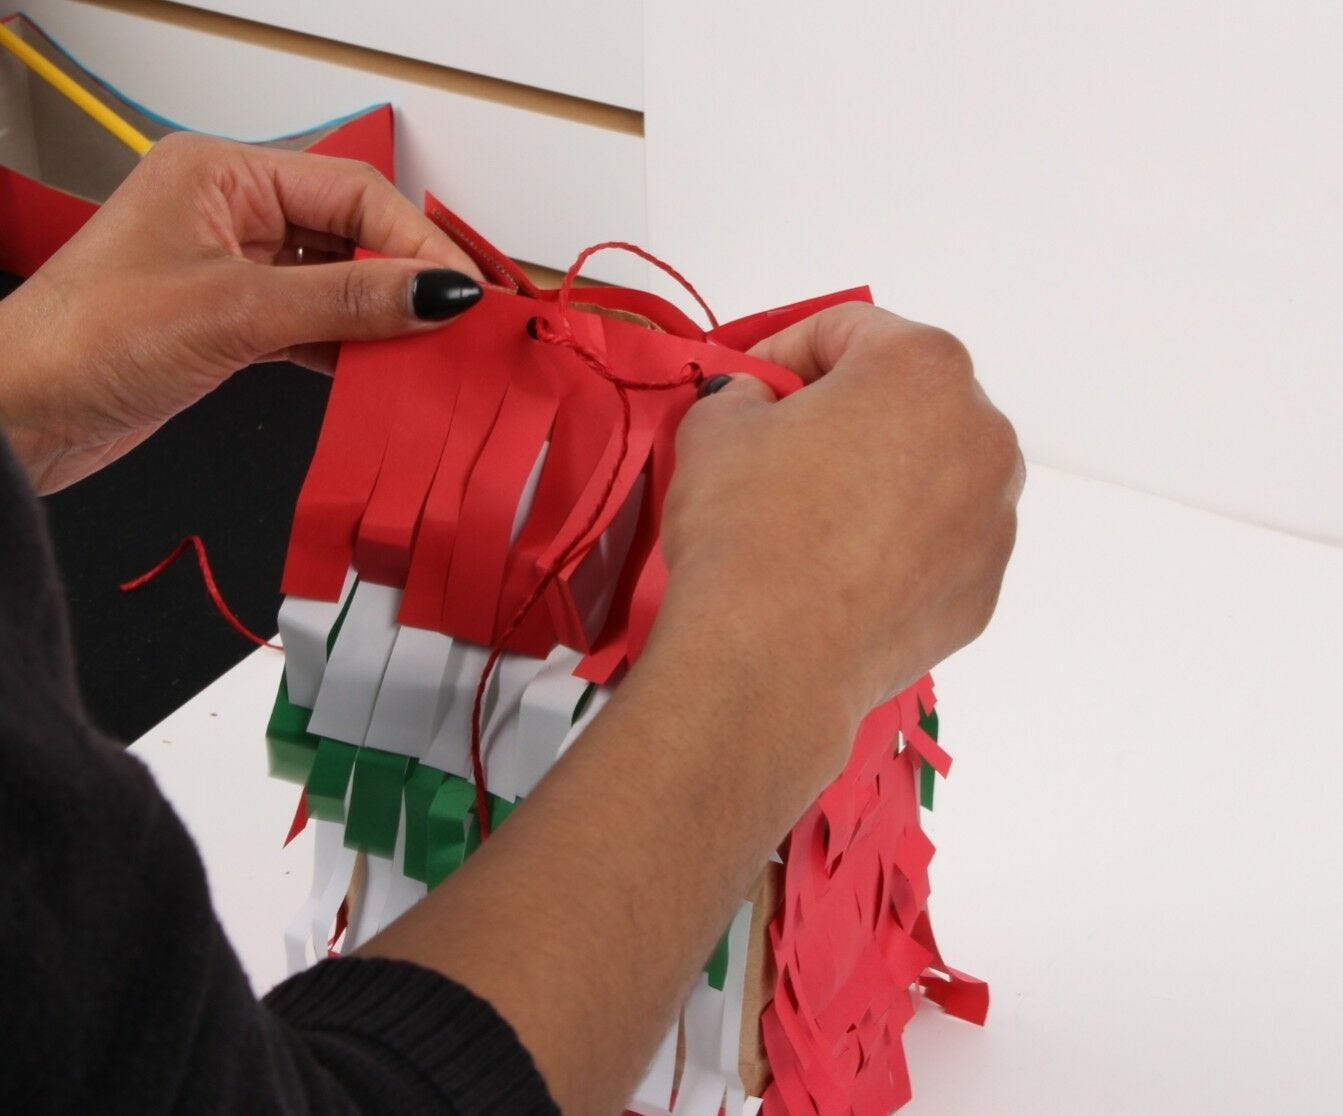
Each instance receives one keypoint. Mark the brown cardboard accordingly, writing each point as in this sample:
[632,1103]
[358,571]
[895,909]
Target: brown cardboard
[758,986]
[765,896]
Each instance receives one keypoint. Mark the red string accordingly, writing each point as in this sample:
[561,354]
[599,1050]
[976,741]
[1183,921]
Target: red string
[210,586]
[566,287]
[623,386]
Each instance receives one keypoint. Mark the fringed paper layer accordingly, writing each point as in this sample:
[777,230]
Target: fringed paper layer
[453,469]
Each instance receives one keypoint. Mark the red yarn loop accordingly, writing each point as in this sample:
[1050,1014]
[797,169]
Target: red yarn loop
[541,330]
[570,276]
[211,587]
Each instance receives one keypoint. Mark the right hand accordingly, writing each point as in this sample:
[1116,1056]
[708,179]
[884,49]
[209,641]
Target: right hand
[823,551]
[851,536]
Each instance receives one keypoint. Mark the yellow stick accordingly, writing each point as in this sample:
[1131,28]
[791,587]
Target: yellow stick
[63,83]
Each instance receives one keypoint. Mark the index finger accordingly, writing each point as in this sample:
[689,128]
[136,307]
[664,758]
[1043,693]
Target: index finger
[353,200]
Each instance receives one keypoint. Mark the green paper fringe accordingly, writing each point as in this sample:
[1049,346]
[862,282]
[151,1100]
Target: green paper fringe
[290,747]
[927,773]
[716,967]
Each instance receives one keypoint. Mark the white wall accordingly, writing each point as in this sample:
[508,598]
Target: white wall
[1132,212]
[540,187]
[589,48]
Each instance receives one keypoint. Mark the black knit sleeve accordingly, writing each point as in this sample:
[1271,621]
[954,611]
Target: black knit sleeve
[120,991]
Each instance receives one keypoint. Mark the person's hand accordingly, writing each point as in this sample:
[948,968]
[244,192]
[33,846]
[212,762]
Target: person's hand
[171,287]
[851,536]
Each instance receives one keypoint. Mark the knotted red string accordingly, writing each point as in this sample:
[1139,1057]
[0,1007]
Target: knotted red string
[210,586]
[564,337]
[567,285]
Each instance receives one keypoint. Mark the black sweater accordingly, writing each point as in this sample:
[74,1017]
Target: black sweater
[118,989]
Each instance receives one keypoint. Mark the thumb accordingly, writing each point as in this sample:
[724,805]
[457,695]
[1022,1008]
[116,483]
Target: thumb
[357,300]
[723,399]
[741,390]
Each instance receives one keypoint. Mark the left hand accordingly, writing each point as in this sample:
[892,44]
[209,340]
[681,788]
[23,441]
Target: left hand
[170,288]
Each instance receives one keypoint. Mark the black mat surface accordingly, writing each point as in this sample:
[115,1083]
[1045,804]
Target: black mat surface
[229,470]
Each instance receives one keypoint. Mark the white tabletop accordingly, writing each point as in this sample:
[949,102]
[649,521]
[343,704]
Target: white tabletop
[1140,844]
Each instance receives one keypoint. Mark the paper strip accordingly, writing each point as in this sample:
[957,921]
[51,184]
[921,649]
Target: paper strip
[423,417]
[546,716]
[530,719]
[367,904]
[403,892]
[710,1079]
[344,704]
[344,468]
[421,785]
[374,815]
[451,830]
[596,703]
[291,749]
[333,893]
[483,369]
[304,625]
[587,412]
[450,750]
[492,510]
[328,854]
[328,784]
[734,994]
[652,1097]
[405,710]
[501,748]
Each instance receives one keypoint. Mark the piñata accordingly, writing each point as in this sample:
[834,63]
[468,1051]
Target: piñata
[482,514]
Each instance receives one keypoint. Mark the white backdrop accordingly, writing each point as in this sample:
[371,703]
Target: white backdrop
[592,49]
[1132,212]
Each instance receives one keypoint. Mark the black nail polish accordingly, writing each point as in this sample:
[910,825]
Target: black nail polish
[713,384]
[441,294]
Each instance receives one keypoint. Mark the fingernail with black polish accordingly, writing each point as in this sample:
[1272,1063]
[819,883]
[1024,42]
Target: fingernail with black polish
[442,293]
[713,384]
